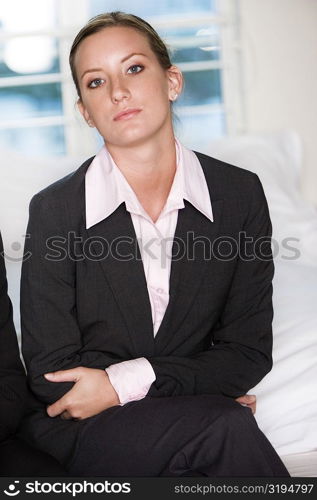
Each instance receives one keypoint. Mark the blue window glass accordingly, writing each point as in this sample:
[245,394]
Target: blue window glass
[201,87]
[152,7]
[34,140]
[30,101]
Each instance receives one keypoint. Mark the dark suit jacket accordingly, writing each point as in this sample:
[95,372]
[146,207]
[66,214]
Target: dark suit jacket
[12,375]
[85,303]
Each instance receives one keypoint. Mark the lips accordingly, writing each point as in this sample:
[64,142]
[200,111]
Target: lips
[126,114]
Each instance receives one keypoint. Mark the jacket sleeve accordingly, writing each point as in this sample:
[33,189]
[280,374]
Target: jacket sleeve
[240,352]
[12,375]
[51,337]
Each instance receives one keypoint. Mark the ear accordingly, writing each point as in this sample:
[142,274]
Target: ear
[175,82]
[84,113]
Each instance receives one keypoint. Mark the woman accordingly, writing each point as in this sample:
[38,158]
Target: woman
[17,458]
[136,358]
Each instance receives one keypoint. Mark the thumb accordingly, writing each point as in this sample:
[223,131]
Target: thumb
[63,376]
[251,398]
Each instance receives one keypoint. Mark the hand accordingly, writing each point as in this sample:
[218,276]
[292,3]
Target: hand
[91,394]
[249,401]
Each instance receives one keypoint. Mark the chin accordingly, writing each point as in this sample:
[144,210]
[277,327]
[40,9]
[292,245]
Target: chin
[130,139]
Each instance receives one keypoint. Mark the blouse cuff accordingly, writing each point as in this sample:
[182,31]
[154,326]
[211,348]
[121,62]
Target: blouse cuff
[131,379]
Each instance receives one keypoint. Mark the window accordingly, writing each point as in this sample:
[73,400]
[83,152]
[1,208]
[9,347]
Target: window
[37,96]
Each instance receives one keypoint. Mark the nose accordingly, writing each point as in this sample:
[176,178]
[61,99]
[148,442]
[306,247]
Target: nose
[119,91]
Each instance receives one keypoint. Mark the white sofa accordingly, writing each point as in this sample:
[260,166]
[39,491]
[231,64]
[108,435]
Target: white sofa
[287,396]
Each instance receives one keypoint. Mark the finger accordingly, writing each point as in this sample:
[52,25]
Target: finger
[57,408]
[247,399]
[63,375]
[242,400]
[251,397]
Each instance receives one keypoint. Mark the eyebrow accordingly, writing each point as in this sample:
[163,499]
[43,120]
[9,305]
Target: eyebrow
[123,60]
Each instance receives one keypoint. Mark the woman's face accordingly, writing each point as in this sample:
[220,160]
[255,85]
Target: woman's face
[118,72]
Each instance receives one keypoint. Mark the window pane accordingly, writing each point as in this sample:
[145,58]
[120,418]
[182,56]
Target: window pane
[201,87]
[152,7]
[28,56]
[197,131]
[29,101]
[192,44]
[34,140]
[30,16]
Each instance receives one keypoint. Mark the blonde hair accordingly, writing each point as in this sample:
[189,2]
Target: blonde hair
[117,18]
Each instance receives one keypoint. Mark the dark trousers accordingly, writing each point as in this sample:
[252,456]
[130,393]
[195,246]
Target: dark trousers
[18,459]
[175,436]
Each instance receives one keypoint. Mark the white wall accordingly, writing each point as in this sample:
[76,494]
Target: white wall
[279,42]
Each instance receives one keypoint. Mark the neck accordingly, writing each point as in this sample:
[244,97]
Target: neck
[150,164]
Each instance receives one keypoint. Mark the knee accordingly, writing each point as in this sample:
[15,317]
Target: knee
[237,418]
[209,409]
[225,405]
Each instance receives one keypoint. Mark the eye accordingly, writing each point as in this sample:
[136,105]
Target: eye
[136,68]
[96,83]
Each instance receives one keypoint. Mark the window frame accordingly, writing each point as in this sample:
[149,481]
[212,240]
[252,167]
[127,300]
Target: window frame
[79,139]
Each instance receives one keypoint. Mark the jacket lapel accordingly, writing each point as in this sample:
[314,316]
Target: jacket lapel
[123,270]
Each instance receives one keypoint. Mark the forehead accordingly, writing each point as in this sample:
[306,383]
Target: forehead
[113,42]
